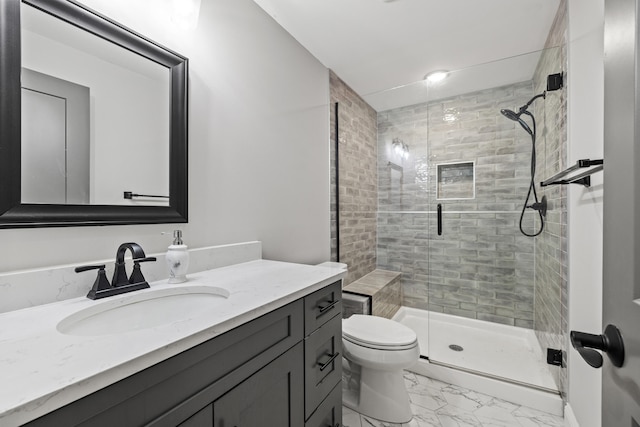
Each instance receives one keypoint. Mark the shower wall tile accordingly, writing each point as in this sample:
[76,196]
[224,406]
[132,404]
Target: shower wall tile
[550,315]
[481,267]
[358,192]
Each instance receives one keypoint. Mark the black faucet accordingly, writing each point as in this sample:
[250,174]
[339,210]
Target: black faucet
[120,283]
[120,274]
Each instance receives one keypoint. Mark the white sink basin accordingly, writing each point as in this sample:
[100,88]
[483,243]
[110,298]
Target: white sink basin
[142,310]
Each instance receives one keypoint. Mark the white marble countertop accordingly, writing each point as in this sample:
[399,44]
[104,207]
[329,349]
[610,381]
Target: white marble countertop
[42,369]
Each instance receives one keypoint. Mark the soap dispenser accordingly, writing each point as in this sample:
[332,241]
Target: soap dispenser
[177,259]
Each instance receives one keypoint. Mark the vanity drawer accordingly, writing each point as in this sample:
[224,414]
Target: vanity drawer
[329,413]
[322,363]
[321,306]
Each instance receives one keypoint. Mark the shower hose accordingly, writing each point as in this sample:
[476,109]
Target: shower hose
[532,187]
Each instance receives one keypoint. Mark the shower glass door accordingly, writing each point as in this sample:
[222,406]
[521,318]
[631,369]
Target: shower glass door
[453,176]
[481,281]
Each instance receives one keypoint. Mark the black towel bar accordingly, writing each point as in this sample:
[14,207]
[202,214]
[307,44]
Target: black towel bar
[130,195]
[583,178]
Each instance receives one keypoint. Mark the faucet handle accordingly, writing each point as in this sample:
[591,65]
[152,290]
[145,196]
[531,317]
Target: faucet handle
[101,283]
[136,274]
[88,267]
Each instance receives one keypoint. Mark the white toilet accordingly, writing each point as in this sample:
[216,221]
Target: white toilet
[377,350]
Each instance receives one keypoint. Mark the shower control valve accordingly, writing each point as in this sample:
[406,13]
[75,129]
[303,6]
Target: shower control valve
[540,206]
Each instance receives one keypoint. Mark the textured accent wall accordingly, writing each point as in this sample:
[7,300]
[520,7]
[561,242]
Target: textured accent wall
[551,286]
[357,176]
[481,266]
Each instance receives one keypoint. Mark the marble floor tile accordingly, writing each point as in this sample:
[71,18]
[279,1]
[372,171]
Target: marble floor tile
[529,417]
[350,418]
[451,416]
[422,418]
[438,404]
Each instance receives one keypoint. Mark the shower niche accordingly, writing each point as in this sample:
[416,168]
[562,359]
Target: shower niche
[455,181]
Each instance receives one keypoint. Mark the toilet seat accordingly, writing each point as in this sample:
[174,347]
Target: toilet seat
[380,346]
[378,333]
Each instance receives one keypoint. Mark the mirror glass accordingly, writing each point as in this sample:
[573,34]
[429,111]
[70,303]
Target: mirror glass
[95,118]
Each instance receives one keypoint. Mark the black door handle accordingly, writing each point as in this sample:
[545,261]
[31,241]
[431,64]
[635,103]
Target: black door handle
[609,342]
[439,219]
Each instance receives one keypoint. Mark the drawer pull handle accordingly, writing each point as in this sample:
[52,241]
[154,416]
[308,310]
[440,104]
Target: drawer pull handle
[325,308]
[324,365]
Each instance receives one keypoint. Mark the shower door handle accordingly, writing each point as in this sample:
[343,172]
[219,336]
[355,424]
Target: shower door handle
[439,210]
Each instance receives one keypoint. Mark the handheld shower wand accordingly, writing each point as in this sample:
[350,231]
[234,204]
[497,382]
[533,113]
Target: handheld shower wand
[512,115]
[539,206]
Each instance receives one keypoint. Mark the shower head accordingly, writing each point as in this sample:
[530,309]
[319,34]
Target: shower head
[509,114]
[512,115]
[516,116]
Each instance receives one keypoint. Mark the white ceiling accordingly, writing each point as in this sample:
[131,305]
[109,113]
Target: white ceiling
[376,45]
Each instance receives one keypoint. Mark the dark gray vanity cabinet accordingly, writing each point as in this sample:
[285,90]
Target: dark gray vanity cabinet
[281,369]
[329,413]
[321,306]
[323,356]
[270,397]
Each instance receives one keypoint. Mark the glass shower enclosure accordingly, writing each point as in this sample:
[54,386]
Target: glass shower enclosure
[453,176]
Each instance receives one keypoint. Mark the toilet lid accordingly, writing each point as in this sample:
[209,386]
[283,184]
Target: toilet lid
[377,332]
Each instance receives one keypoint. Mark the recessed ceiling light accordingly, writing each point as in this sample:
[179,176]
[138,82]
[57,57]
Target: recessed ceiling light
[436,76]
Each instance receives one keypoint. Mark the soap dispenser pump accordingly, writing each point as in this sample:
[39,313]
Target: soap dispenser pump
[177,259]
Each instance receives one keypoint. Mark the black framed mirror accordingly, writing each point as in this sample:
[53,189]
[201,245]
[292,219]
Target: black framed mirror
[112,160]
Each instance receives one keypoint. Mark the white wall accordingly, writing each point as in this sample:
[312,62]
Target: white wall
[258,143]
[585,117]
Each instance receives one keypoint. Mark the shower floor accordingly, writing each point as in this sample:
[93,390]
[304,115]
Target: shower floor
[505,358]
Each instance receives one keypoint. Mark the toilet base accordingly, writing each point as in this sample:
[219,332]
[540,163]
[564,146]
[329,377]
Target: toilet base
[377,394]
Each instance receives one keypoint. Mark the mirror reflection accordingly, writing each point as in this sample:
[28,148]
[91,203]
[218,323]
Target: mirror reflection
[95,118]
